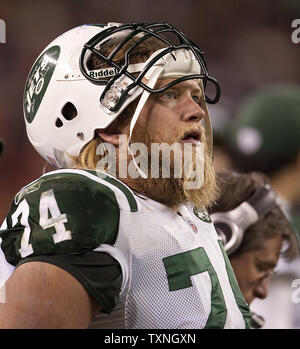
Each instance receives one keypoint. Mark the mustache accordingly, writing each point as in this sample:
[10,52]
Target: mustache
[197,133]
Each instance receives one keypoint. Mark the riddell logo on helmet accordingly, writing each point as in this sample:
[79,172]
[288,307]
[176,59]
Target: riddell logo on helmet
[2,32]
[99,73]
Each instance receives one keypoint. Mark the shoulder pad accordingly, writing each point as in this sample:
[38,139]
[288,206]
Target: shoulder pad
[65,211]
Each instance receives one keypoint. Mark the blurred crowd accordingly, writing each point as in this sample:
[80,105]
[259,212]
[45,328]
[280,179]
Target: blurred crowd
[248,49]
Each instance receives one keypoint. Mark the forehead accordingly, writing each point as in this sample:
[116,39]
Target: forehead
[271,249]
[193,85]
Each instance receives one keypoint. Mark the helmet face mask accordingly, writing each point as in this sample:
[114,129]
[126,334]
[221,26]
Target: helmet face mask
[91,69]
[141,33]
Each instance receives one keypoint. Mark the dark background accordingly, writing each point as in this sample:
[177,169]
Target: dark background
[247,44]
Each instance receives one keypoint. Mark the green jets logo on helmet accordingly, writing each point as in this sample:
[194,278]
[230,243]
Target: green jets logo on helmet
[38,81]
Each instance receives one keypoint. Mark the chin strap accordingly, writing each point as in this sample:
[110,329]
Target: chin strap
[136,114]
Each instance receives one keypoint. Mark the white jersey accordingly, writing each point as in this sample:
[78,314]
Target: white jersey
[175,272]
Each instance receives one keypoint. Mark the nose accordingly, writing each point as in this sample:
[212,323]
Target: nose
[261,290]
[191,111]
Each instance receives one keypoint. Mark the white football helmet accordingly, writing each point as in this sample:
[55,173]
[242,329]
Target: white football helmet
[61,79]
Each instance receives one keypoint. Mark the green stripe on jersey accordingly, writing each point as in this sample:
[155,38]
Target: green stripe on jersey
[118,184]
[239,298]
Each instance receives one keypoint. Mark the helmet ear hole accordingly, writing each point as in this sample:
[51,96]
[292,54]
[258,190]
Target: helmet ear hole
[69,111]
[58,123]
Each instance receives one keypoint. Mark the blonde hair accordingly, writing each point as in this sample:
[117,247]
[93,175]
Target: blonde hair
[88,157]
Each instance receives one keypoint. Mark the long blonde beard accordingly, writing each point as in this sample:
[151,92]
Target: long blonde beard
[175,191]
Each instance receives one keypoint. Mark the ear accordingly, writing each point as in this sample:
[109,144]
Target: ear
[109,138]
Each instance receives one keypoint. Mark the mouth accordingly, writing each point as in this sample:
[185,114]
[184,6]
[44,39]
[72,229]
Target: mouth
[193,137]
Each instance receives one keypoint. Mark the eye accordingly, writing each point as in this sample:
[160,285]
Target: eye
[266,271]
[167,96]
[196,99]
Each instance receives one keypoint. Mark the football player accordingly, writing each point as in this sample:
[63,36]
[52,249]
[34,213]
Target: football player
[78,241]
